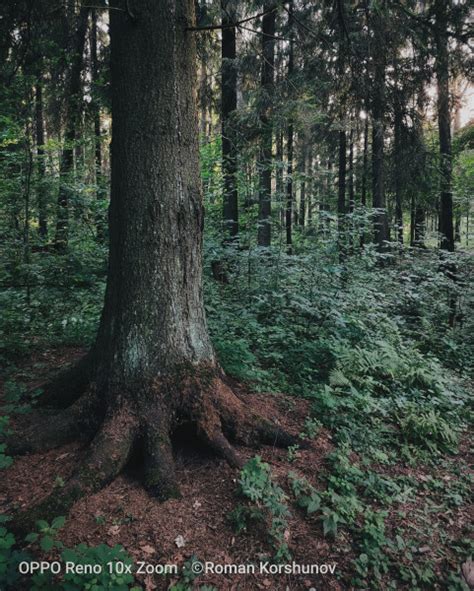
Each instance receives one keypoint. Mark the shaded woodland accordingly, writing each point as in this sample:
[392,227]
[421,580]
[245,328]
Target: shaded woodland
[236,291]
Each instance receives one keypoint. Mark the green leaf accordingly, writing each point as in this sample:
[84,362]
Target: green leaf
[46,543]
[58,522]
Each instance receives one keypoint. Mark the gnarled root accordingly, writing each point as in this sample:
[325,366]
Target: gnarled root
[148,417]
[108,454]
[160,474]
[69,384]
[43,429]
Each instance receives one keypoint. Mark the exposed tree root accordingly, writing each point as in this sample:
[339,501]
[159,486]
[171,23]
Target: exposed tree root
[44,429]
[145,417]
[108,454]
[69,384]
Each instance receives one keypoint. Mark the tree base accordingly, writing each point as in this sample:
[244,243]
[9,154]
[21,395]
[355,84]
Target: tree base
[143,416]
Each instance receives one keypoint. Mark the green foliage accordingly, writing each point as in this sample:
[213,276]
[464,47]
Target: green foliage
[112,575]
[428,429]
[10,557]
[372,563]
[188,578]
[5,460]
[46,534]
[268,504]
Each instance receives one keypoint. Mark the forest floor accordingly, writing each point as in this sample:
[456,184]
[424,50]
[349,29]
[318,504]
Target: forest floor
[198,524]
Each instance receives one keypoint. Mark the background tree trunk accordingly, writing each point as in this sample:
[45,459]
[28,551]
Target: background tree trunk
[228,106]
[73,111]
[378,131]
[99,180]
[265,156]
[41,190]
[444,124]
[289,145]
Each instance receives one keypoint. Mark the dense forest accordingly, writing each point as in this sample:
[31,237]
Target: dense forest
[237,306]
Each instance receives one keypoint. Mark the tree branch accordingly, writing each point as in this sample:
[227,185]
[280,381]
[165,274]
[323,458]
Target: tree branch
[230,25]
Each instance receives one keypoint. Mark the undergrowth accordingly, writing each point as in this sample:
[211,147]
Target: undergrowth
[372,346]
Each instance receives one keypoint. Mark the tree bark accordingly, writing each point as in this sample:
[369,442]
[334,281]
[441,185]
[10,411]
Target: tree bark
[228,106]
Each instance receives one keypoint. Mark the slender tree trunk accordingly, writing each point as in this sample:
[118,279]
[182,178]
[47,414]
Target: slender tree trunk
[99,180]
[73,110]
[365,160]
[265,156]
[351,183]
[378,182]
[303,158]
[399,172]
[419,235]
[378,132]
[310,184]
[341,193]
[342,159]
[41,190]
[289,190]
[228,106]
[289,178]
[341,182]
[412,220]
[442,8]
[279,184]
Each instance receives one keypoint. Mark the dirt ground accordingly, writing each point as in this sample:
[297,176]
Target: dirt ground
[198,523]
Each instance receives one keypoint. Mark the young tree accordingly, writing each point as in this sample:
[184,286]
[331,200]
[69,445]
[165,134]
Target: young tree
[153,366]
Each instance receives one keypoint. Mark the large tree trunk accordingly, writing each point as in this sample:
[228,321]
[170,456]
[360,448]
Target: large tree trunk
[265,156]
[228,106]
[153,367]
[444,125]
